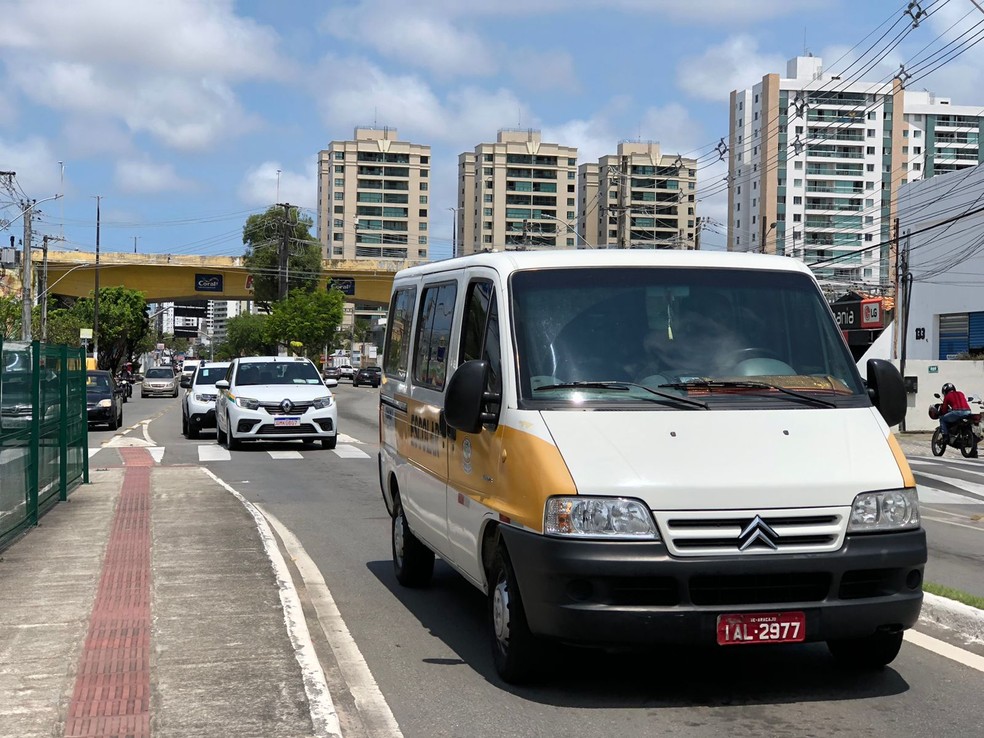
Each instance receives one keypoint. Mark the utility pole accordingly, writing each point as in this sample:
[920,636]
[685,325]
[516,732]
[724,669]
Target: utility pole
[526,233]
[699,224]
[135,243]
[95,312]
[26,278]
[43,288]
[284,245]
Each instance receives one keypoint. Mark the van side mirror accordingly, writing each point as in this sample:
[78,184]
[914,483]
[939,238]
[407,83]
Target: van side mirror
[466,400]
[887,390]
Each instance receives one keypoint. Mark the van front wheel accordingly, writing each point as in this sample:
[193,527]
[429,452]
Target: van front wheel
[514,648]
[869,653]
[413,562]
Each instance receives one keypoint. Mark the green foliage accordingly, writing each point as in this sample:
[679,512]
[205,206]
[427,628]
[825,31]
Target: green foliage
[310,319]
[263,236]
[123,323]
[64,326]
[246,335]
[10,317]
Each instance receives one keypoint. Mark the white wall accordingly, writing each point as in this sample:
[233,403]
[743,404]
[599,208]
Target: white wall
[966,376]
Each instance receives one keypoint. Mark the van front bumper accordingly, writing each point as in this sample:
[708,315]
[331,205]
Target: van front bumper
[627,592]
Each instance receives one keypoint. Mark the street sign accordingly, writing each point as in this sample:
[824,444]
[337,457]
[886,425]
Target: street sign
[85,333]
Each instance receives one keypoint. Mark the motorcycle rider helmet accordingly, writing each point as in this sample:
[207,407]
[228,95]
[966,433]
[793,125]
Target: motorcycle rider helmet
[947,388]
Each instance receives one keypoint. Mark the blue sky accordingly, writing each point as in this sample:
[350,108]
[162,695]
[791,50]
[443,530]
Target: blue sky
[179,113]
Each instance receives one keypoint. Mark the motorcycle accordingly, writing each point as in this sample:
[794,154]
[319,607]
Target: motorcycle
[127,384]
[965,434]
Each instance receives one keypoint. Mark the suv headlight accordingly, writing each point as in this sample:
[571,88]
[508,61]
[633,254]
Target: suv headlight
[248,403]
[321,403]
[599,517]
[893,509]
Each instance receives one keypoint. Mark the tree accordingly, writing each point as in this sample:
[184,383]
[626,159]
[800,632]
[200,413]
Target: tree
[246,335]
[10,317]
[123,323]
[264,236]
[308,318]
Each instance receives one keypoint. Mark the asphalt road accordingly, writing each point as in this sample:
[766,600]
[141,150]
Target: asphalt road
[428,649]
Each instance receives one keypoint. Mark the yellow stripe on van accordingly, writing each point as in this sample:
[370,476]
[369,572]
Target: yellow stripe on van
[532,470]
[908,479]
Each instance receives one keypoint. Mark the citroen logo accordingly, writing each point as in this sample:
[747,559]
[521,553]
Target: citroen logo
[758,531]
[286,406]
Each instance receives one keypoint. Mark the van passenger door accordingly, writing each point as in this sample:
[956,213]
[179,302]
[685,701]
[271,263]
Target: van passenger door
[425,499]
[475,457]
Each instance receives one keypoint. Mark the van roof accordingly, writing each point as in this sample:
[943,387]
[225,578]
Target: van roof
[510,261]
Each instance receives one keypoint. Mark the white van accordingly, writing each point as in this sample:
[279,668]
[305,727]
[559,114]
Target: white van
[641,447]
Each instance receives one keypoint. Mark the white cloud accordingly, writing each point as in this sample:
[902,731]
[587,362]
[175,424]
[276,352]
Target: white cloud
[734,64]
[406,35]
[547,71]
[259,186]
[165,69]
[36,167]
[143,176]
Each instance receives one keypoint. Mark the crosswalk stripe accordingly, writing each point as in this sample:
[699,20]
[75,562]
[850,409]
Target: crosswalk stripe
[285,454]
[934,496]
[212,452]
[342,438]
[350,452]
[157,452]
[94,451]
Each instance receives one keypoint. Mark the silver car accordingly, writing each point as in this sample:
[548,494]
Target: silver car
[159,380]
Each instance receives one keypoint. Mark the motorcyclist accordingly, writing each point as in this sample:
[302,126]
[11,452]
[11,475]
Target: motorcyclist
[953,408]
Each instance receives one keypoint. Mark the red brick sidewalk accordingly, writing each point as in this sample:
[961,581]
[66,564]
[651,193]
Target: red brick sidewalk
[112,687]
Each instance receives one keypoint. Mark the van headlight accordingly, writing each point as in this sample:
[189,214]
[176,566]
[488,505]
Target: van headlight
[893,509]
[320,403]
[599,517]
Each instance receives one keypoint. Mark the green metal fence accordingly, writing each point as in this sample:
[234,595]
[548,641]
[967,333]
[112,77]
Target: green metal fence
[44,435]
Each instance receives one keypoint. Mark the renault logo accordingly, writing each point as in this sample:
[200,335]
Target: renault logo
[286,406]
[758,531]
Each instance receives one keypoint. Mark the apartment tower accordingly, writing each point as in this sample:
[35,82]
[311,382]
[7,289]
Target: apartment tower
[516,193]
[373,197]
[638,198]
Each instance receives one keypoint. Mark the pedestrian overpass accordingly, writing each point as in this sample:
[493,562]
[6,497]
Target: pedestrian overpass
[166,278]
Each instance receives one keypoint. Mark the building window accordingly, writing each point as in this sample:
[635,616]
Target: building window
[338,250]
[339,169]
[486,239]
[872,115]
[799,129]
[869,203]
[870,150]
[339,209]
[797,200]
[486,226]
[487,157]
[869,167]
[756,115]
[797,217]
[339,195]
[487,198]
[422,253]
[423,187]
[797,183]
[424,173]
[570,202]
[869,219]
[916,167]
[421,240]
[422,213]
[917,133]
[871,132]
[571,175]
[340,155]
[797,165]
[739,190]
[339,182]
[487,171]
[338,223]
[337,237]
[421,226]
[869,237]
[487,212]
[756,98]
[423,199]
[917,149]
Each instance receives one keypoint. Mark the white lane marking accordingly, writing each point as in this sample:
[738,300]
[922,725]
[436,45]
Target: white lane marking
[977,489]
[350,452]
[323,713]
[146,431]
[342,438]
[213,453]
[370,702]
[945,650]
[978,528]
[157,452]
[127,442]
[943,497]
[94,451]
[285,454]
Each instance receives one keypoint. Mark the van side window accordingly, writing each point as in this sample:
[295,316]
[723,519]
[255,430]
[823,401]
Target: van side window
[397,356]
[480,334]
[433,335]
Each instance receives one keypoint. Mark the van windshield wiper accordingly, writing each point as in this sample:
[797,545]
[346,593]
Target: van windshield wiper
[624,387]
[745,384]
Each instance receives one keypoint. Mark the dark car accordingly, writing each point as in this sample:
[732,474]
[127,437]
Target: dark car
[332,372]
[104,399]
[368,375]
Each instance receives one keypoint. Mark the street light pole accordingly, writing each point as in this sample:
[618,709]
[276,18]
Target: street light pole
[454,231]
[95,312]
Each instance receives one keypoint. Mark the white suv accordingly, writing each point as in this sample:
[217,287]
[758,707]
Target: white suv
[275,398]
[198,404]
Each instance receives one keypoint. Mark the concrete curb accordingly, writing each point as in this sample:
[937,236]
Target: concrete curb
[953,615]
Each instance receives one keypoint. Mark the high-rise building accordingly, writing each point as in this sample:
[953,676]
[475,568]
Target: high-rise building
[638,198]
[373,197]
[815,163]
[516,193]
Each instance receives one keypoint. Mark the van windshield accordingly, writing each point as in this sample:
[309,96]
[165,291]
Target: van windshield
[730,336]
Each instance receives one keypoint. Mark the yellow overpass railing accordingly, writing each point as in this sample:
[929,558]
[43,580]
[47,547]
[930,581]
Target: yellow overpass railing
[161,277]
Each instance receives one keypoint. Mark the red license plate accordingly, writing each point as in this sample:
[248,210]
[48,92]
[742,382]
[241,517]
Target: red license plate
[761,627]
